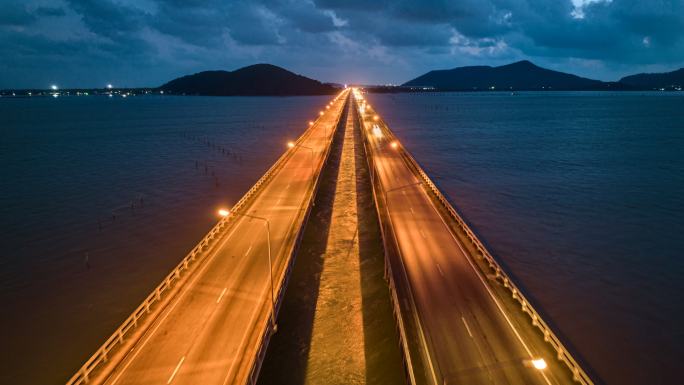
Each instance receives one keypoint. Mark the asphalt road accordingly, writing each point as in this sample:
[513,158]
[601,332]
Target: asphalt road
[209,332]
[470,337]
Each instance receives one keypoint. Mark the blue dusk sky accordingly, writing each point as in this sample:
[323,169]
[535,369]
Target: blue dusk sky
[89,43]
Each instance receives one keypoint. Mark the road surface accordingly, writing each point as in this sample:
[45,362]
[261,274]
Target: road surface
[210,331]
[470,337]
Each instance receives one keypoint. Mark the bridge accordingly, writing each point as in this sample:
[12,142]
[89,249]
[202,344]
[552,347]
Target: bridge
[461,318]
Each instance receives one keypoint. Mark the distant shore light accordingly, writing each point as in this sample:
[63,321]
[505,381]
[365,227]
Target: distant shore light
[54,87]
[109,86]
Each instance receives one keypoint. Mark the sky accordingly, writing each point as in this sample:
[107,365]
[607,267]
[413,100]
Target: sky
[138,43]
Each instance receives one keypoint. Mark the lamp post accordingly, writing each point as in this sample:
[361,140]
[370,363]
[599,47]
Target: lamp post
[225,213]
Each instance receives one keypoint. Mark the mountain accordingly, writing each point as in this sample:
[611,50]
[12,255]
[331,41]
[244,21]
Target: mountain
[522,75]
[657,80]
[254,80]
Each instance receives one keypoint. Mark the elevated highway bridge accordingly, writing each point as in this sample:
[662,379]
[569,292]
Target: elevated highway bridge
[461,319]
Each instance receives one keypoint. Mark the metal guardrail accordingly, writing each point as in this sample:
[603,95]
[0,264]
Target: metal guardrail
[186,265]
[563,354]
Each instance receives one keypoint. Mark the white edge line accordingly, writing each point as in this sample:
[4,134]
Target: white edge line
[221,296]
[440,270]
[466,326]
[176,370]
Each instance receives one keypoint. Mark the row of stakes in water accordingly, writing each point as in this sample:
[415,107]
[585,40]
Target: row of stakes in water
[135,204]
[139,202]
[225,151]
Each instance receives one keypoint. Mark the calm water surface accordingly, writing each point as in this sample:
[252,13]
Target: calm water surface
[581,196]
[69,273]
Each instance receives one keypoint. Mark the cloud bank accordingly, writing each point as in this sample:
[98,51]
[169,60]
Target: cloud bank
[146,42]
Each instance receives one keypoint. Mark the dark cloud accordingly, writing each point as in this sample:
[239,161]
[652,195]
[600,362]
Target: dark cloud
[49,11]
[190,22]
[107,18]
[359,5]
[14,13]
[254,25]
[336,40]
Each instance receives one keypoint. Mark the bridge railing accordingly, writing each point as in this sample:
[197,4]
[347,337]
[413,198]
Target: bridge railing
[187,264]
[562,353]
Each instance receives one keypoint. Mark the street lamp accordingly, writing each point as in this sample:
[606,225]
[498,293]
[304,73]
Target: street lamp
[539,363]
[225,213]
[394,144]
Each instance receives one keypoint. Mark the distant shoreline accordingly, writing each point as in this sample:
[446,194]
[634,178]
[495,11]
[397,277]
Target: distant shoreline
[120,92]
[126,92]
